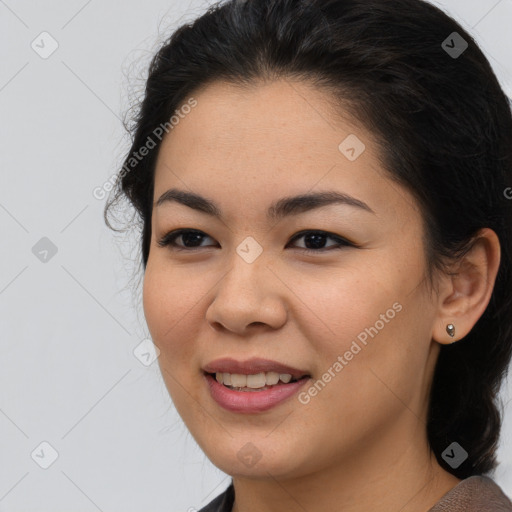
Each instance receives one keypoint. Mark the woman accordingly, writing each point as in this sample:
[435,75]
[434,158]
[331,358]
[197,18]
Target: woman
[327,241]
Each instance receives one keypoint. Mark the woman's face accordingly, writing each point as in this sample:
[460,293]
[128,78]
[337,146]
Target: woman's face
[353,313]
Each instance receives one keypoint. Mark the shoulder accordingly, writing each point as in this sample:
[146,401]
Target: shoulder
[474,494]
[223,502]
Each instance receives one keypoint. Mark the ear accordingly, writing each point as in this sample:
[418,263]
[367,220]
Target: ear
[464,293]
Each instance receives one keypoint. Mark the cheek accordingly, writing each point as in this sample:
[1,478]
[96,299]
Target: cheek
[171,308]
[155,303]
[374,318]
[171,302]
[369,365]
[341,303]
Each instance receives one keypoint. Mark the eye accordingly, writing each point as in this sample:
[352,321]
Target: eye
[188,236]
[317,239]
[191,238]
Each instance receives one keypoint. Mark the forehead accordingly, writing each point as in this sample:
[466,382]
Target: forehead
[269,140]
[283,116]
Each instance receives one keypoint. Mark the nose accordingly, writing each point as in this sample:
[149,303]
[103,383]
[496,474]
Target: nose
[250,296]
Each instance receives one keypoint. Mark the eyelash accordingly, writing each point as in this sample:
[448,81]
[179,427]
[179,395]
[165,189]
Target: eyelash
[169,239]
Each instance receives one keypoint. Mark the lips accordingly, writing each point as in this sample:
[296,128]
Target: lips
[252,366]
[252,401]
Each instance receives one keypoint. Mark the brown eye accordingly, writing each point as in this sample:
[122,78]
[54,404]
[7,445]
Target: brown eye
[315,241]
[191,238]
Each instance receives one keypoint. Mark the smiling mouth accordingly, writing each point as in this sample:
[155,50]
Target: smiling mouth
[254,382]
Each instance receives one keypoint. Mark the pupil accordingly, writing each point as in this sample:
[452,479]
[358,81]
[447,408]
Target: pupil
[188,237]
[317,244]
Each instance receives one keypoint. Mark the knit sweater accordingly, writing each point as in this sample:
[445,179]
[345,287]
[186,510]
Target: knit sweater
[474,494]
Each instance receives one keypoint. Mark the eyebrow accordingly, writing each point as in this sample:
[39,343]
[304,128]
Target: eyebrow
[284,207]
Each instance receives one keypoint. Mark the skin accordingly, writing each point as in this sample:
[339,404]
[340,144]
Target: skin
[361,441]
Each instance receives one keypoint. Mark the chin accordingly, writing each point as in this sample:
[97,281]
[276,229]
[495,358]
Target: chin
[254,459]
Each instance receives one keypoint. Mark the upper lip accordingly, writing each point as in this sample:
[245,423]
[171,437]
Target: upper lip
[252,366]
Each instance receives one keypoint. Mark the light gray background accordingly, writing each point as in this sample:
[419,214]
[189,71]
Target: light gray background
[69,326]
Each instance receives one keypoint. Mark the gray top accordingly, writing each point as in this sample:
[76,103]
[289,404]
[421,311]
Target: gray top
[473,494]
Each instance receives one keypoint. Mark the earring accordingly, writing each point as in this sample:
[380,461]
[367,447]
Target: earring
[450,329]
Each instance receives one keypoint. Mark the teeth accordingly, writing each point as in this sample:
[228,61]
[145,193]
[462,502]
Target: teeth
[272,378]
[255,381]
[238,380]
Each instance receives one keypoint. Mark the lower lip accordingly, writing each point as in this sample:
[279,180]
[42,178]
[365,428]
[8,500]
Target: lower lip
[252,401]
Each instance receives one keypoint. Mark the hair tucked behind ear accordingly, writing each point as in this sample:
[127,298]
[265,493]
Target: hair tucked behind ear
[444,128]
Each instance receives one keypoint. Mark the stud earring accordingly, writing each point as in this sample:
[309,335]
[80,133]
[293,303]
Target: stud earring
[450,329]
